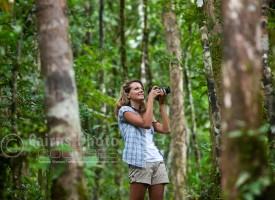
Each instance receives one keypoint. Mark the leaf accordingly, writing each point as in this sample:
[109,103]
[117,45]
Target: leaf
[42,162]
[264,128]
[203,93]
[248,196]
[58,170]
[235,134]
[64,148]
[242,179]
[255,188]
[251,133]
[90,161]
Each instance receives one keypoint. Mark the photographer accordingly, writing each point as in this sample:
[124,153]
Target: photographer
[137,125]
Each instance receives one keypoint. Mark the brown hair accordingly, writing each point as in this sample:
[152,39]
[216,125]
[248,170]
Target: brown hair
[124,101]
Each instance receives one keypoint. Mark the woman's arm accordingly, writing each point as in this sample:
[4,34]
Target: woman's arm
[138,120]
[165,126]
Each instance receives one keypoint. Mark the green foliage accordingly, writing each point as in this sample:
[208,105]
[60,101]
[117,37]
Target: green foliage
[32,190]
[59,169]
[96,98]
[249,189]
[259,134]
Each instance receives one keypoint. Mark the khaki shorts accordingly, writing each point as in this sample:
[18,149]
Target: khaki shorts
[154,173]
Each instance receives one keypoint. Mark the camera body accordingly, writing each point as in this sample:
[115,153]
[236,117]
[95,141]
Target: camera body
[166,89]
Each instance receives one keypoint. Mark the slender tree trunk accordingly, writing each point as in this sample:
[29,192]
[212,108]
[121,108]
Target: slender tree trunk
[267,77]
[178,124]
[101,31]
[145,70]
[101,46]
[3,177]
[16,162]
[101,87]
[186,73]
[123,40]
[61,100]
[210,20]
[243,146]
[212,11]
[212,98]
[88,9]
[117,177]
[14,86]
[271,31]
[268,40]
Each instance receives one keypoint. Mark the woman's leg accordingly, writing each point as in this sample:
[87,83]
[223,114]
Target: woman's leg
[137,191]
[156,192]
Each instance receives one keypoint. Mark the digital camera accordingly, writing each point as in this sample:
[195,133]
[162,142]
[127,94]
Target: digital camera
[166,89]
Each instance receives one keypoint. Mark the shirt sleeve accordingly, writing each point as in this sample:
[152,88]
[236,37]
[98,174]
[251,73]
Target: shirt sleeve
[122,110]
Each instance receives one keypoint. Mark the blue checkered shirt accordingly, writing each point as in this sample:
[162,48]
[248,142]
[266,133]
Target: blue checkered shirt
[134,152]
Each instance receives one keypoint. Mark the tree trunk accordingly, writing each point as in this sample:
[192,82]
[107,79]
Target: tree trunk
[3,177]
[212,98]
[15,161]
[212,11]
[14,85]
[88,12]
[101,46]
[145,71]
[267,78]
[244,158]
[178,124]
[271,31]
[101,87]
[186,73]
[123,40]
[214,113]
[210,25]
[61,100]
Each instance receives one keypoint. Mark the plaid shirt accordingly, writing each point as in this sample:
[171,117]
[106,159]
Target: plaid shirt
[134,152]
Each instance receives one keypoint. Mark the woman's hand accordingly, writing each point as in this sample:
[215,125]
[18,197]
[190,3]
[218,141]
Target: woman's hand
[162,96]
[155,92]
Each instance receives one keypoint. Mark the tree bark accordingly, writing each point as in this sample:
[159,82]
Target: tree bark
[100,19]
[61,100]
[3,177]
[212,11]
[178,124]
[101,46]
[242,143]
[145,71]
[186,73]
[14,85]
[88,12]
[16,162]
[215,118]
[271,31]
[267,77]
[210,27]
[123,40]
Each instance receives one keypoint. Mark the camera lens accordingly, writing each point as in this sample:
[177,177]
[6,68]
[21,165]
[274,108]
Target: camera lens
[167,89]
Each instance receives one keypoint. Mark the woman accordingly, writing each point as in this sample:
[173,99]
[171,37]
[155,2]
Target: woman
[137,125]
